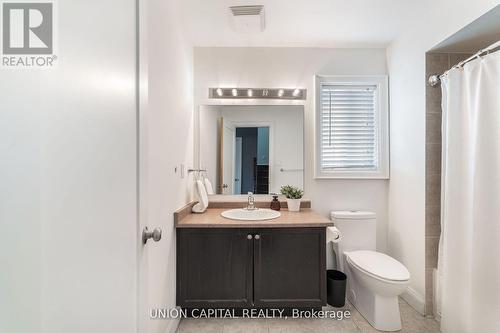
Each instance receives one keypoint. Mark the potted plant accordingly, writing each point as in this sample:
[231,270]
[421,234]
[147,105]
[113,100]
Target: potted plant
[293,195]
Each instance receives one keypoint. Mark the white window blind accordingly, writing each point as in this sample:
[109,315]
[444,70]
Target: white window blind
[348,125]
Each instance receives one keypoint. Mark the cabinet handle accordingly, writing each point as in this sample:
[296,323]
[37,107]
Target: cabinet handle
[250,236]
[257,236]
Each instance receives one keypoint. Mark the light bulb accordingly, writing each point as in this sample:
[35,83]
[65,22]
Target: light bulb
[280,92]
[296,92]
[250,93]
[219,91]
[234,92]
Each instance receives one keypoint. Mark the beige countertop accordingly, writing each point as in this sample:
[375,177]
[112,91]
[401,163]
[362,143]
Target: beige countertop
[212,219]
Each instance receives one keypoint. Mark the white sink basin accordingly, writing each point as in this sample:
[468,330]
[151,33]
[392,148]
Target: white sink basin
[259,214]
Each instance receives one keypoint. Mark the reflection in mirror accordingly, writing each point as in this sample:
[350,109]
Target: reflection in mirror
[252,148]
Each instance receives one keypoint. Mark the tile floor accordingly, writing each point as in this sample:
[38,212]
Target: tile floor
[413,322]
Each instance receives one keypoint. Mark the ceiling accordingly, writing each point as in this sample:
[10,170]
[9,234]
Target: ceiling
[302,23]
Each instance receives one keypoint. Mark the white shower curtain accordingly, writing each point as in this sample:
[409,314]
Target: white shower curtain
[469,261]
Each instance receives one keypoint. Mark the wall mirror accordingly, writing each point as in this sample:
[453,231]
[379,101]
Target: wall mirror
[251,148]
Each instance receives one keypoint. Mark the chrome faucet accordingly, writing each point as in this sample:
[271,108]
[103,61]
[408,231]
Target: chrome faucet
[251,202]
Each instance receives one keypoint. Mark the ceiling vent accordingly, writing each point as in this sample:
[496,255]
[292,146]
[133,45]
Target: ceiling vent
[247,18]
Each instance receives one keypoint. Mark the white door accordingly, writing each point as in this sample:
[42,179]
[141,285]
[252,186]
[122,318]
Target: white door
[228,156]
[237,165]
[68,194]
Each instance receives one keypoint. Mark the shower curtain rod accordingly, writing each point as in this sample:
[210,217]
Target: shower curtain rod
[435,79]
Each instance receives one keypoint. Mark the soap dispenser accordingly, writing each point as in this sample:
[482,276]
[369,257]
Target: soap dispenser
[275,204]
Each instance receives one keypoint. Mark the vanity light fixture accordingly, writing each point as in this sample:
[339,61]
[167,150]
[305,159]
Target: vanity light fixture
[257,93]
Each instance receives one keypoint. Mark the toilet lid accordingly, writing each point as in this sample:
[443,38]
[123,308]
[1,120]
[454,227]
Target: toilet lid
[379,264]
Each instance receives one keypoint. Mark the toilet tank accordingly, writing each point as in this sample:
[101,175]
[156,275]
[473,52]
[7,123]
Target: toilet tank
[358,229]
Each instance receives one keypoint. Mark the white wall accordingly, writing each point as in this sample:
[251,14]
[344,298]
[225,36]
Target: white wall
[168,144]
[296,67]
[406,62]
[68,174]
[287,127]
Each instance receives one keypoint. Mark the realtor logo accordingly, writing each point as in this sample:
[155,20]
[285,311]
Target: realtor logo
[27,28]
[27,34]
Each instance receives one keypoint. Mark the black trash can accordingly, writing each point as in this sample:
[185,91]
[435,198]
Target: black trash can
[335,288]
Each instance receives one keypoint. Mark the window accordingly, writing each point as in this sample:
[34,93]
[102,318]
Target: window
[352,136]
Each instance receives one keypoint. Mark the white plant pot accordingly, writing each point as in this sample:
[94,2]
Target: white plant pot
[293,205]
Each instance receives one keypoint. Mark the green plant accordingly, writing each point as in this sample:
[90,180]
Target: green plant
[292,192]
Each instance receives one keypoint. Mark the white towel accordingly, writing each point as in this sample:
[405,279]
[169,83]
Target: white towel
[202,204]
[208,186]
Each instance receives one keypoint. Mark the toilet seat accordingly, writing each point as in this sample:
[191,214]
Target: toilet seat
[379,265]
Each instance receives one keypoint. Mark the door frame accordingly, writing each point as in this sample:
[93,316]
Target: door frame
[223,142]
[238,154]
[142,105]
[270,124]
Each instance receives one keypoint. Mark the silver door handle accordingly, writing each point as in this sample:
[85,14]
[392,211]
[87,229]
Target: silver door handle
[249,236]
[257,237]
[155,234]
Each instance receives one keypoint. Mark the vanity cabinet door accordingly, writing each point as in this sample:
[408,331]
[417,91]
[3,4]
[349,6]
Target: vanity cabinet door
[289,267]
[214,268]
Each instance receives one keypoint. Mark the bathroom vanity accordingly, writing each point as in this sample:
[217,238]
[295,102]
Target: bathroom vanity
[223,263]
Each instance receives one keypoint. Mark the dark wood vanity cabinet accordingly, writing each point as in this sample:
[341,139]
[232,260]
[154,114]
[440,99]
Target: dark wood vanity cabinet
[214,268]
[289,267]
[244,268]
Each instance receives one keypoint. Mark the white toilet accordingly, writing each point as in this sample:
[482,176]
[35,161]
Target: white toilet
[374,280]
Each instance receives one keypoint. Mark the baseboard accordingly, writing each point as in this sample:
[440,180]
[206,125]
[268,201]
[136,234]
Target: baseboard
[173,324]
[414,299]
